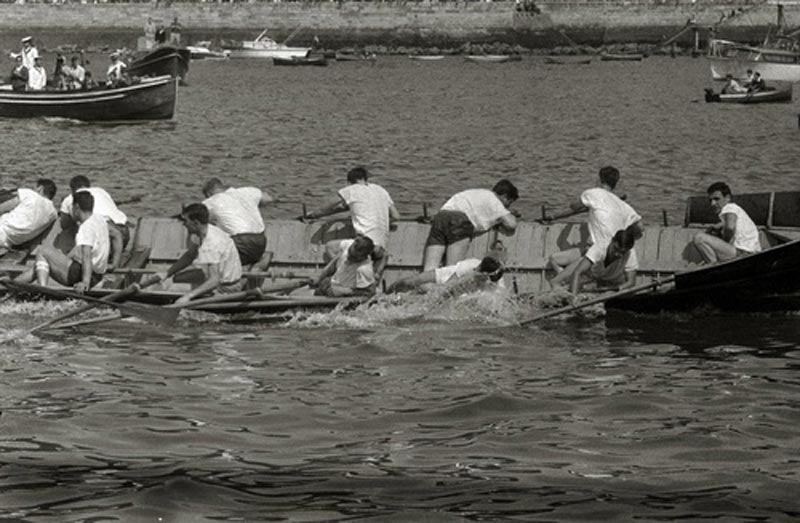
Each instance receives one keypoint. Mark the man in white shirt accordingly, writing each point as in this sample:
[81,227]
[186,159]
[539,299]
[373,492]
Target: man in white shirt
[735,234]
[350,272]
[608,213]
[86,263]
[372,211]
[465,215]
[32,214]
[211,251]
[104,206]
[237,211]
[75,74]
[116,75]
[37,76]
[28,53]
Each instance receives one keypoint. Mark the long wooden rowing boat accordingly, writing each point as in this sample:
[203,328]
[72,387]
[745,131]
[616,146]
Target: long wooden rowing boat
[775,95]
[665,250]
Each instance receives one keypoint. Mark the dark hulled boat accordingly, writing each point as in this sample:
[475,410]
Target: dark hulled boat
[165,60]
[151,99]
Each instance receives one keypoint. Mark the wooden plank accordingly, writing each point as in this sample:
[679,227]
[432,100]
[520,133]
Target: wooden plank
[525,249]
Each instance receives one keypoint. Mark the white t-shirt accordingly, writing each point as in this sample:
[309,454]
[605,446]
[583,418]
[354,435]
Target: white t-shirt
[103,205]
[369,206]
[236,211]
[116,69]
[27,220]
[352,275]
[28,56]
[218,249]
[94,233]
[462,268]
[607,215]
[614,273]
[482,206]
[37,78]
[745,237]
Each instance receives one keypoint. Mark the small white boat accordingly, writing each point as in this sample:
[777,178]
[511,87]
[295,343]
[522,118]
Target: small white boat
[265,47]
[730,58]
[202,51]
[426,57]
[493,58]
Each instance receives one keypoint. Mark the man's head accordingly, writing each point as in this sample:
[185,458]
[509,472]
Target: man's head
[27,41]
[357,174]
[719,195]
[18,59]
[78,182]
[360,249]
[46,187]
[492,267]
[609,176]
[757,75]
[749,72]
[212,187]
[82,205]
[74,61]
[37,62]
[194,217]
[622,242]
[506,191]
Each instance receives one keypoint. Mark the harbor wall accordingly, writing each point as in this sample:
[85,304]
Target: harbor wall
[392,24]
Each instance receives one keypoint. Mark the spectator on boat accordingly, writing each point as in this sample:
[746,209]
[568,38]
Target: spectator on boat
[28,53]
[211,251]
[350,272]
[86,263]
[465,215]
[732,86]
[372,211]
[749,78]
[471,270]
[608,213]
[59,78]
[237,211]
[161,35]
[32,213]
[175,32]
[19,75]
[734,235]
[75,75]
[150,32]
[88,81]
[37,76]
[758,84]
[116,76]
[615,271]
[104,206]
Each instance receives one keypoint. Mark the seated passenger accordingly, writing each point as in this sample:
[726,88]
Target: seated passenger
[75,75]
[19,75]
[350,272]
[32,213]
[757,84]
[735,234]
[615,270]
[732,86]
[116,76]
[37,76]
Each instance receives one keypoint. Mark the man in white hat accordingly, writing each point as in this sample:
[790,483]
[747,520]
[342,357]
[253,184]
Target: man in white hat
[37,76]
[29,53]
[116,75]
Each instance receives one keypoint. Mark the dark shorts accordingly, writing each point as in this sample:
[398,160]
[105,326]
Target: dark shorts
[251,247]
[449,227]
[75,274]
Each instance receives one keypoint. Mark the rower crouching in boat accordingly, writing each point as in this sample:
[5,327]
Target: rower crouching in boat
[734,235]
[350,271]
[27,214]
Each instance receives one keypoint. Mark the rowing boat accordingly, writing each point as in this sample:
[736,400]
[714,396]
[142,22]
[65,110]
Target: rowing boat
[664,251]
[493,58]
[771,95]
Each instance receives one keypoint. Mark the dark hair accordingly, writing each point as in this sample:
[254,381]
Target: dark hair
[48,187]
[507,189]
[211,185]
[719,186]
[491,266]
[609,176]
[195,211]
[363,244]
[79,182]
[357,173]
[83,200]
[626,238]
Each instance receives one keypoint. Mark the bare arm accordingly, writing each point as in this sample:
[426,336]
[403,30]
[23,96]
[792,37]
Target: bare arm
[728,226]
[211,271]
[181,263]
[393,214]
[583,266]
[85,255]
[327,272]
[508,223]
[630,280]
[265,199]
[116,246]
[333,208]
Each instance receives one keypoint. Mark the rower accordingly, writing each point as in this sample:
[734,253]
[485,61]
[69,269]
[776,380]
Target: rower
[735,234]
[465,215]
[608,213]
[32,213]
[350,272]
[84,266]
[237,212]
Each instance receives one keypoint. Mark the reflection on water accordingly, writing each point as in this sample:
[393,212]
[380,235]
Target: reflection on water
[418,409]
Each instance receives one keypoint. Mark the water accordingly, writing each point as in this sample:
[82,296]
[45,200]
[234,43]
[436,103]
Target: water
[419,410]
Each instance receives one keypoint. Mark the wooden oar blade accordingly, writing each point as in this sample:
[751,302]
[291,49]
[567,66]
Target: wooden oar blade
[149,313]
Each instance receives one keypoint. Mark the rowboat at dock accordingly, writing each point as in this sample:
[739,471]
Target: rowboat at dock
[761,281]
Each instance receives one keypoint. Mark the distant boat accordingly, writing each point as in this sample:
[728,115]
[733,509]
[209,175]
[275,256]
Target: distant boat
[621,57]
[354,57]
[164,60]
[300,60]
[202,51]
[493,58]
[152,99]
[562,60]
[265,47]
[730,58]
[426,57]
[777,95]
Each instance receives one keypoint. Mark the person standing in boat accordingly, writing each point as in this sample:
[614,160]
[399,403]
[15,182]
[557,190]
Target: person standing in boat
[37,76]
[175,32]
[116,76]
[350,272]
[372,211]
[19,75]
[608,213]
[86,263]
[237,211]
[211,251]
[29,53]
[32,213]
[735,234]
[465,215]
[104,206]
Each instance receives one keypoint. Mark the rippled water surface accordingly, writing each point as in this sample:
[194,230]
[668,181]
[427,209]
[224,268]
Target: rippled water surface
[416,411]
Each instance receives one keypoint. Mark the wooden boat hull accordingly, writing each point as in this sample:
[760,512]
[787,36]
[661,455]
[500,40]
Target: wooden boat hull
[166,60]
[153,99]
[611,57]
[729,58]
[552,60]
[781,95]
[493,58]
[306,60]
[426,57]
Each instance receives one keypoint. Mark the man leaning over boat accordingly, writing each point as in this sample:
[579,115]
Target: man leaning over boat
[734,235]
[350,272]
[32,213]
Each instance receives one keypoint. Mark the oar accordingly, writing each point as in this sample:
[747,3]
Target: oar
[149,313]
[89,321]
[243,295]
[600,299]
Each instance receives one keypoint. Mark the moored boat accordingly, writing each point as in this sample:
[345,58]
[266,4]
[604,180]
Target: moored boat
[202,51]
[164,60]
[493,58]
[621,57]
[426,57]
[151,99]
[300,60]
[561,60]
[729,58]
[265,47]
[770,95]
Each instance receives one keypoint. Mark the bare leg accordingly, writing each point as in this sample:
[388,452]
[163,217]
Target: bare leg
[432,257]
[712,248]
[58,262]
[565,276]
[263,264]
[560,260]
[457,251]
